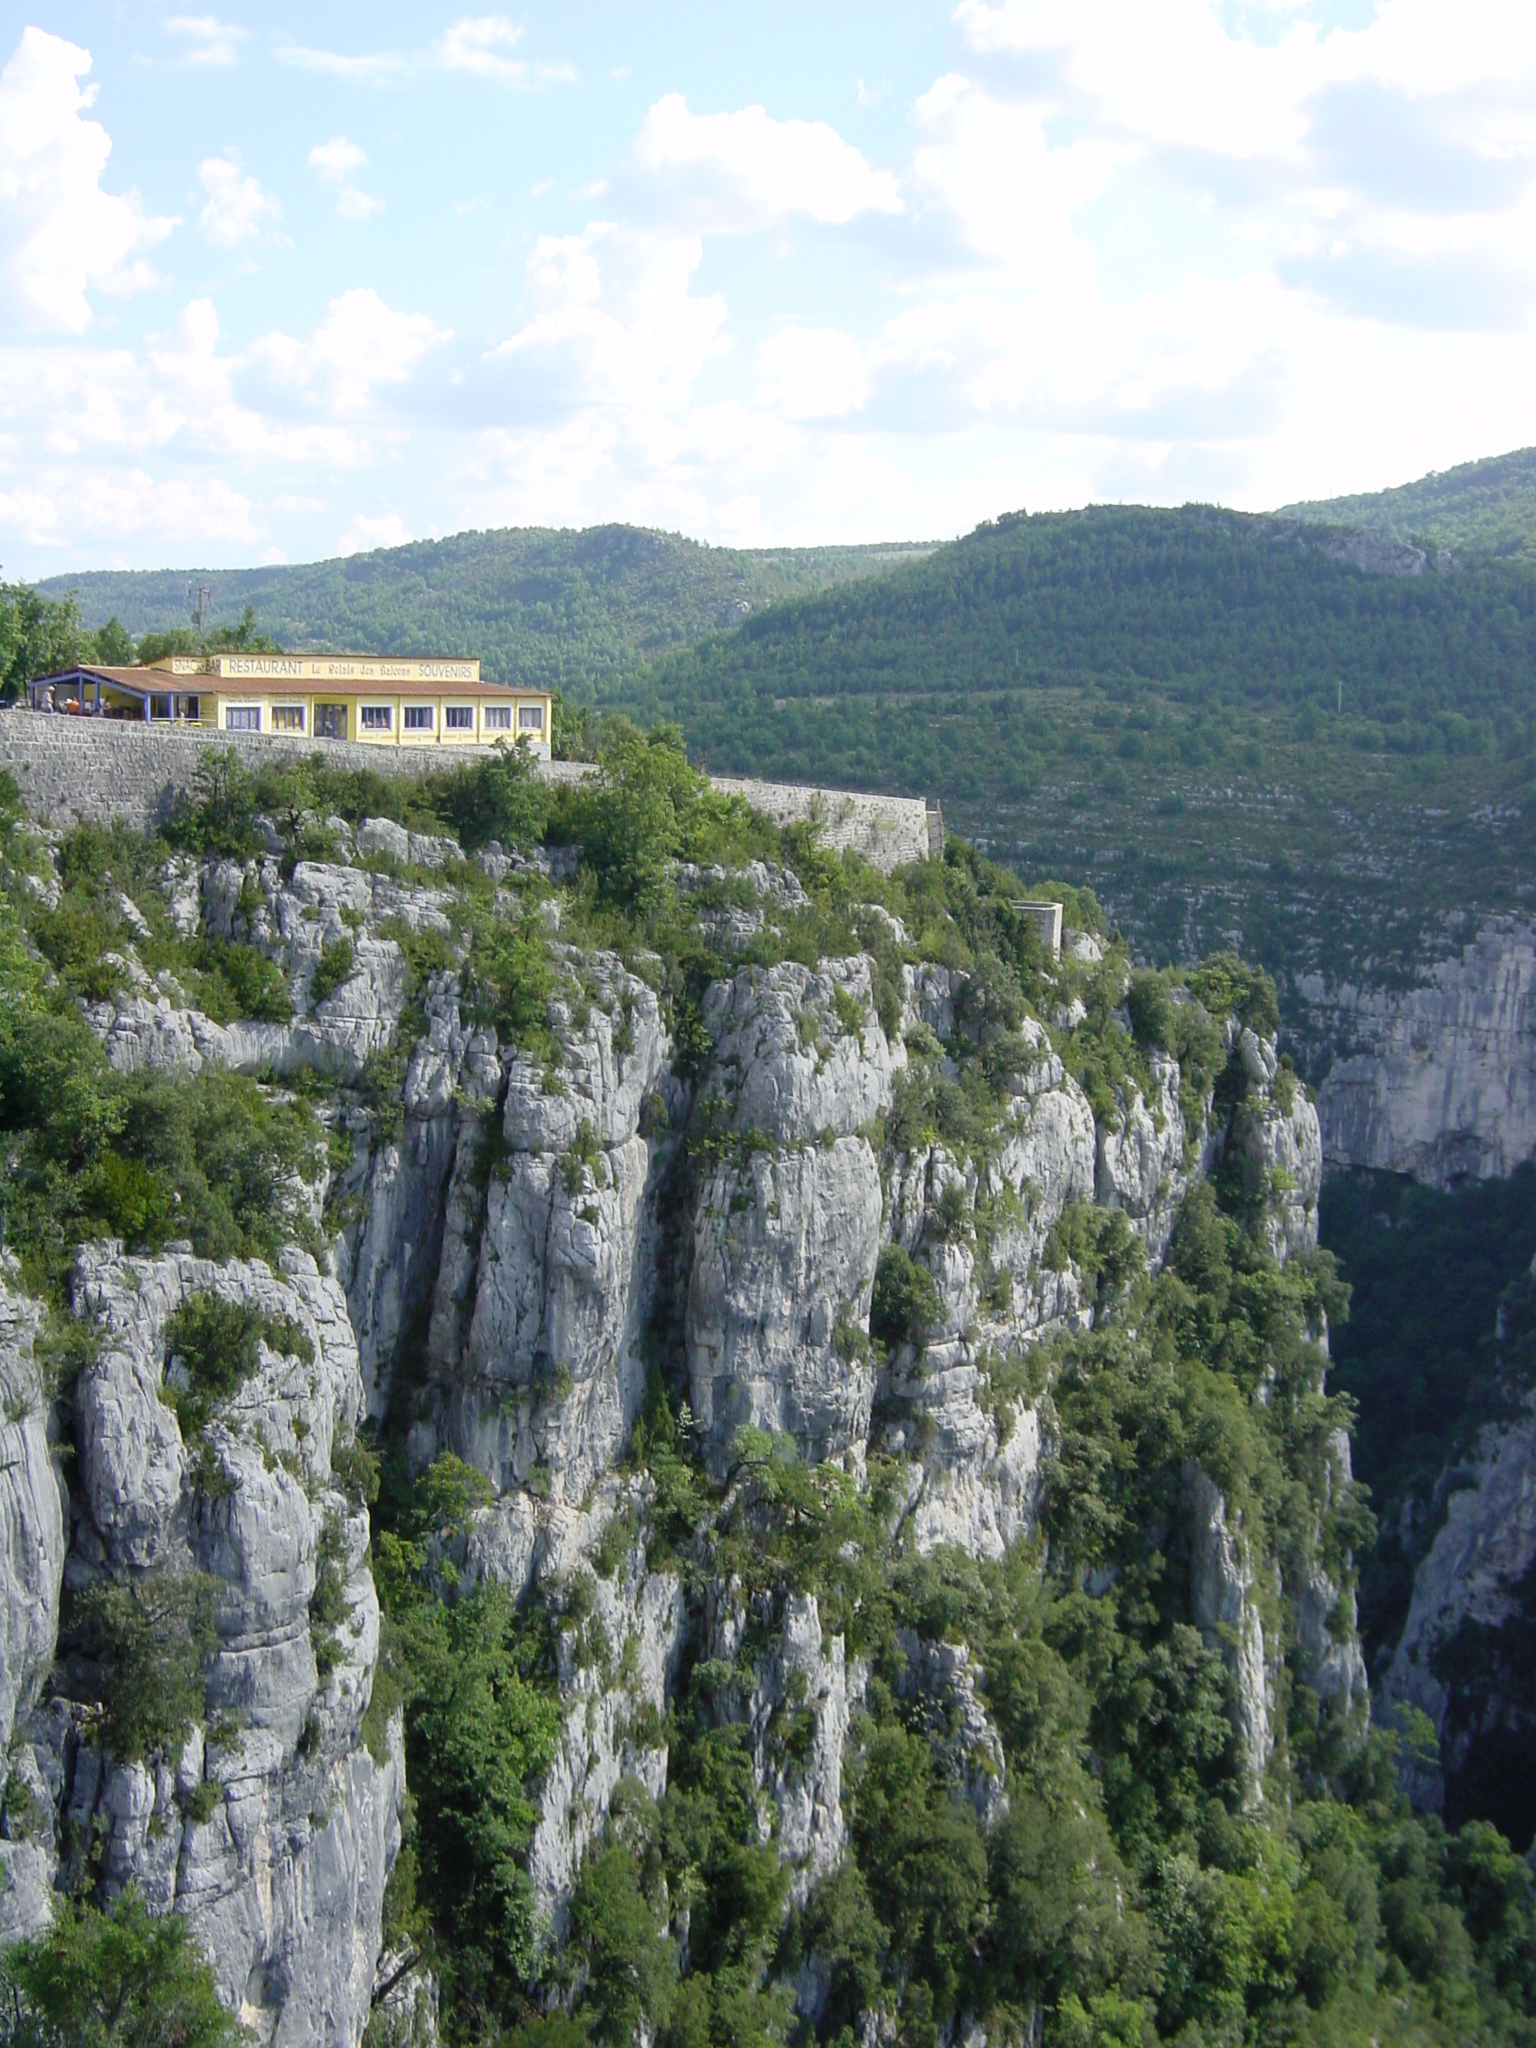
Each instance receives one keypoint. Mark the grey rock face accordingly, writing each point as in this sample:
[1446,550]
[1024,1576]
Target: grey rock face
[1140,1168]
[979,1460]
[786,1063]
[1439,1081]
[797,1713]
[31,1515]
[784,1258]
[640,1617]
[322,904]
[284,1880]
[1473,1568]
[376,836]
[389,1256]
[787,1229]
[550,1374]
[1226,1613]
[1282,1147]
[942,1678]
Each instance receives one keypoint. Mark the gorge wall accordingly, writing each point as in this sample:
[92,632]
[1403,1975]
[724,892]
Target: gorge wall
[1438,1080]
[853,1199]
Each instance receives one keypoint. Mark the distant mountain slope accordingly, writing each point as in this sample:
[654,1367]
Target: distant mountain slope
[1153,698]
[1488,507]
[538,604]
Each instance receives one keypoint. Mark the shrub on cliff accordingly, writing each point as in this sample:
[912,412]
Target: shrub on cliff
[115,1979]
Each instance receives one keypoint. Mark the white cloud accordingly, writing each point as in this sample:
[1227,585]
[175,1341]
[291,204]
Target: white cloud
[375,65]
[1120,251]
[479,44]
[616,323]
[812,373]
[236,206]
[121,516]
[361,345]
[335,161]
[61,235]
[211,41]
[760,170]
[363,533]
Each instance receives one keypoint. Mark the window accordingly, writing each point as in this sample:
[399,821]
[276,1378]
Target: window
[378,717]
[330,721]
[459,718]
[418,718]
[530,718]
[498,717]
[242,718]
[189,707]
[159,707]
[287,717]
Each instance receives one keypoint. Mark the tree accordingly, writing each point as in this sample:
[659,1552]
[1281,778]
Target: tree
[119,1979]
[38,637]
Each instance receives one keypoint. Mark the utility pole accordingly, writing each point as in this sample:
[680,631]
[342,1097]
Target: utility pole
[203,595]
[1341,696]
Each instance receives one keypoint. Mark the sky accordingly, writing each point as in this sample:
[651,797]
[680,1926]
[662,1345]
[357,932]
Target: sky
[285,282]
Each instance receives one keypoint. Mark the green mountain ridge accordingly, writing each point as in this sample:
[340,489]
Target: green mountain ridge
[1236,732]
[1244,730]
[1487,506]
[538,604]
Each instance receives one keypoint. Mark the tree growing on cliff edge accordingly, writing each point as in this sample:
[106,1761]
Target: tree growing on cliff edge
[119,1979]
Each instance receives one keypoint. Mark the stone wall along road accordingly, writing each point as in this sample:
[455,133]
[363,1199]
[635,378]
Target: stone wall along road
[76,770]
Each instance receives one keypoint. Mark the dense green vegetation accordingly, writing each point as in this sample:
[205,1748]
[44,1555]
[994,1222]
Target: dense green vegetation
[40,635]
[537,604]
[117,1979]
[1239,737]
[1151,700]
[1486,507]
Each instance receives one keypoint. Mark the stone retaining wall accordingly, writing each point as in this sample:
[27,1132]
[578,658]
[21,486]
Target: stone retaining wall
[73,770]
[887,830]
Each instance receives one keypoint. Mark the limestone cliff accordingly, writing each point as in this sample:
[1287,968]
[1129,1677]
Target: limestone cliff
[852,1203]
[1436,1080]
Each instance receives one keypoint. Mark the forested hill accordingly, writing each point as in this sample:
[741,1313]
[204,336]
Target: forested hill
[537,604]
[1487,506]
[1154,698]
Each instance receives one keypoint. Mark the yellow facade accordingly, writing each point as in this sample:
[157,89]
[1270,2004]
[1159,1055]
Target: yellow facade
[369,700]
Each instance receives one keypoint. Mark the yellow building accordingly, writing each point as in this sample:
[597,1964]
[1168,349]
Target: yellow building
[376,700]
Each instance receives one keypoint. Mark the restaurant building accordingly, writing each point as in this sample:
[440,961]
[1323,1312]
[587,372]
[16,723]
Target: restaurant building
[374,700]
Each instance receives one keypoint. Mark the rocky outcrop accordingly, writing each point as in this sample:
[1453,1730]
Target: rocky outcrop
[797,1709]
[31,1513]
[275,1826]
[787,1227]
[1438,1080]
[616,1654]
[394,1195]
[1473,1573]
[1224,1608]
[32,1542]
[942,1680]
[550,1374]
[1278,1141]
[153,1026]
[1140,1166]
